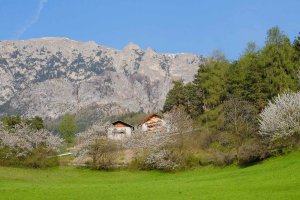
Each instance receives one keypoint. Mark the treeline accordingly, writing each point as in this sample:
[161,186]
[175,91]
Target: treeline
[226,99]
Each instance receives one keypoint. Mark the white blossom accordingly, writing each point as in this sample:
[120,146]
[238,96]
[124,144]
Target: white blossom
[281,117]
[85,139]
[22,139]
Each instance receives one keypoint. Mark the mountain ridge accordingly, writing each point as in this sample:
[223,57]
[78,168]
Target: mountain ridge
[50,76]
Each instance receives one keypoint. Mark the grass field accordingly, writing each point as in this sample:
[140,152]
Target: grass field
[277,178]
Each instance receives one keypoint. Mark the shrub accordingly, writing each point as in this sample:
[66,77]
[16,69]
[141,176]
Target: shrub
[280,120]
[205,160]
[162,159]
[137,163]
[151,151]
[104,153]
[251,153]
[41,158]
[25,146]
[204,140]
[92,148]
[10,122]
[223,158]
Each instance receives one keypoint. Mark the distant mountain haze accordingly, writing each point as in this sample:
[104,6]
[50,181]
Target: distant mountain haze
[51,76]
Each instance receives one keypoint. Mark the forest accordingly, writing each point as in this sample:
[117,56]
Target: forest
[248,109]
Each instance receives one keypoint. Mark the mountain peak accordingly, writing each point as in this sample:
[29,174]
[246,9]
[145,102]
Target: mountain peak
[132,46]
[115,81]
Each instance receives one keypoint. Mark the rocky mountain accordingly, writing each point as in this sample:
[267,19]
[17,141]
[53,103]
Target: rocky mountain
[50,76]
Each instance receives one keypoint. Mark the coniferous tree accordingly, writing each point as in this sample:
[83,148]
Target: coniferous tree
[176,96]
[296,45]
[210,80]
[277,60]
[194,100]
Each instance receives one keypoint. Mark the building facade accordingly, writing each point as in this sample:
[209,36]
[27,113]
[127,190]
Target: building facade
[153,123]
[120,130]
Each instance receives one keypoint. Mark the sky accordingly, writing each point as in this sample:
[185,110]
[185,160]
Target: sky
[167,26]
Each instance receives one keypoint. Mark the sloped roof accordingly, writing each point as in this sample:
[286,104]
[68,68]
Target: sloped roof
[121,122]
[151,116]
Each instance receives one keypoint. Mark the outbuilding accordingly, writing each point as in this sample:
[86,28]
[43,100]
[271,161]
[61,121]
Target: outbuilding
[153,123]
[120,130]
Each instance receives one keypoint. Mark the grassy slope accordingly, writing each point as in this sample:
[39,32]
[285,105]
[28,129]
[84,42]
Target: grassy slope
[277,178]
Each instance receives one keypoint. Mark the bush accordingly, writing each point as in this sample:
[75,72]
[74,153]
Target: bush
[40,158]
[104,153]
[223,158]
[93,149]
[205,160]
[280,119]
[162,160]
[138,163]
[204,140]
[24,146]
[10,122]
[252,153]
[284,145]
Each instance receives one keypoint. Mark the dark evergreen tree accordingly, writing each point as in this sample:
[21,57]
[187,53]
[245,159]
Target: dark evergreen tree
[36,123]
[193,100]
[277,60]
[9,122]
[211,80]
[296,45]
[176,96]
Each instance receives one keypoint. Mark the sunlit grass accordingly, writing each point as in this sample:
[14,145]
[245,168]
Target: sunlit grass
[277,178]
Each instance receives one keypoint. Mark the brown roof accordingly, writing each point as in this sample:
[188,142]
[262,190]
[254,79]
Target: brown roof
[151,116]
[121,122]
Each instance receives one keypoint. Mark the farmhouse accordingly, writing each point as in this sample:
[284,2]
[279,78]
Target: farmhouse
[119,130]
[153,123]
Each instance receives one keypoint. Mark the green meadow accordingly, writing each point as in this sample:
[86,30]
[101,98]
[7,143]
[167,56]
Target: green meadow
[276,178]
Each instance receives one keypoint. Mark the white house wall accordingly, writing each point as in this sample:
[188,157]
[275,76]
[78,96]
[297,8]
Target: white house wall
[116,133]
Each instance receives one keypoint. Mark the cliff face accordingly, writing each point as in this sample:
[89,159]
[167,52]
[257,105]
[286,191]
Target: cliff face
[50,76]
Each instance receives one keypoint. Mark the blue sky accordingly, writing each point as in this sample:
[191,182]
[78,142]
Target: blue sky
[165,25]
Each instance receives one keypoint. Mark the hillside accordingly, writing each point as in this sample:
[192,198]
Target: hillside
[276,178]
[50,76]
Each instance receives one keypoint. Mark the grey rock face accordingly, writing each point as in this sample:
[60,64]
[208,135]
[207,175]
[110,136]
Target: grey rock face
[51,76]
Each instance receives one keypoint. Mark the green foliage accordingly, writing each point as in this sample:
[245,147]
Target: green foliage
[296,45]
[246,79]
[210,80]
[193,99]
[36,123]
[277,60]
[68,127]
[41,158]
[240,117]
[205,92]
[275,37]
[211,120]
[176,96]
[231,95]
[9,122]
[38,158]
[254,86]
[258,76]
[187,95]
